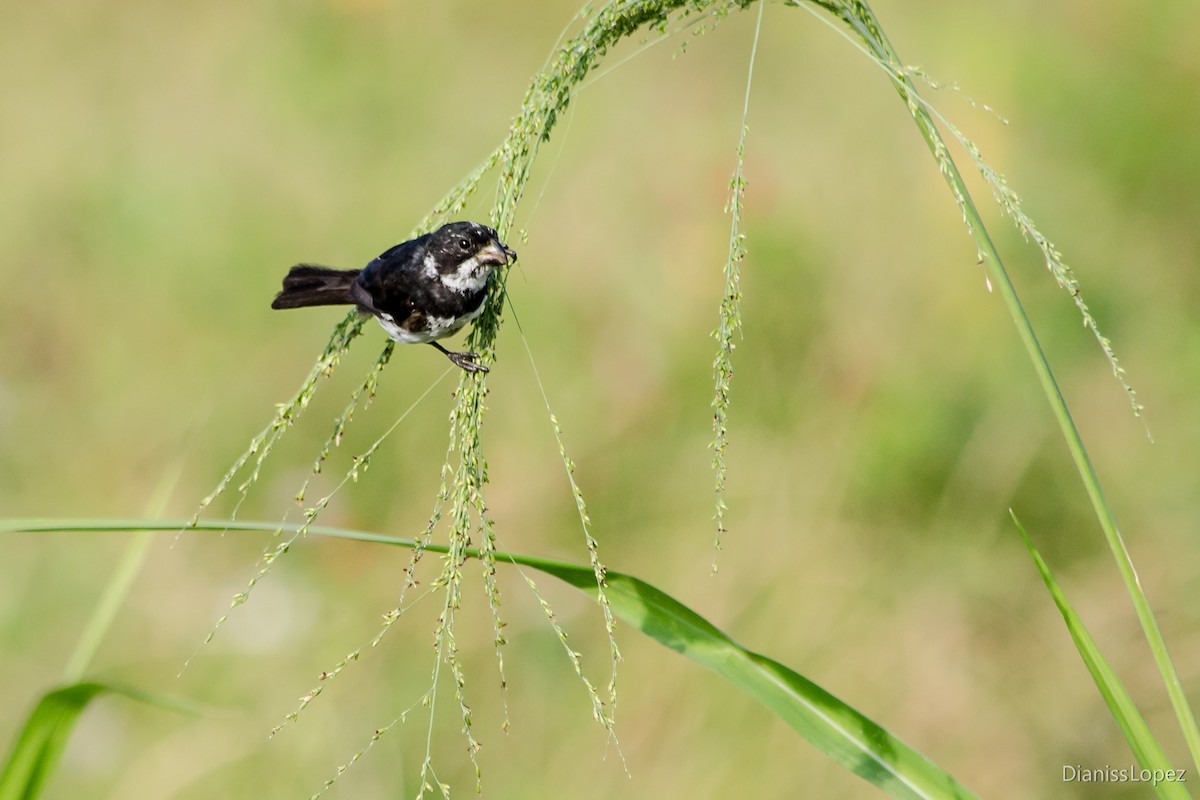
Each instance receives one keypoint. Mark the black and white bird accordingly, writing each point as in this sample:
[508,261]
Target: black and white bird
[420,291]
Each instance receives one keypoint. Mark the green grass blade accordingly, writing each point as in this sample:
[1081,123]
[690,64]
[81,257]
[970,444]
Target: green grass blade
[106,607]
[42,740]
[109,603]
[1146,749]
[40,744]
[839,731]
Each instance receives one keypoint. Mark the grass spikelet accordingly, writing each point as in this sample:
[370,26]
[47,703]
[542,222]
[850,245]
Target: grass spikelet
[546,100]
[464,470]
[730,313]
[859,18]
[286,414]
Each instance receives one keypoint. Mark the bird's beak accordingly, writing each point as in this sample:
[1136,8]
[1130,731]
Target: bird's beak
[497,253]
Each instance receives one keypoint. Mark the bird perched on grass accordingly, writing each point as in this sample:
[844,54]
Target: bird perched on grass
[420,291]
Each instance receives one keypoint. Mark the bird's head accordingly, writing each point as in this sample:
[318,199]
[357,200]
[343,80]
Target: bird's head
[463,254]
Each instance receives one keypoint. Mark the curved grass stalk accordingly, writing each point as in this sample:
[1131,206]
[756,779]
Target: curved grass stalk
[861,20]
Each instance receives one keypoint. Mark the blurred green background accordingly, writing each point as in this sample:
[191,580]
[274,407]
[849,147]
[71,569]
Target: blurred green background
[163,164]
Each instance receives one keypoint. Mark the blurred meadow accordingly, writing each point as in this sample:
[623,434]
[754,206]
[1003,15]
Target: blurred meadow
[163,165]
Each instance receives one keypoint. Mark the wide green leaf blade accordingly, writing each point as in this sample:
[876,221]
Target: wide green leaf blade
[839,731]
[41,742]
[836,729]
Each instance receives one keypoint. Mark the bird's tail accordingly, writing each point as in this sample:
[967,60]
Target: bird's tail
[311,285]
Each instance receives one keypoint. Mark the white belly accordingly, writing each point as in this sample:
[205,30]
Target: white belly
[439,328]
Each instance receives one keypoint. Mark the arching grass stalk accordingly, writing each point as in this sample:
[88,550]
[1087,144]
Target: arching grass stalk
[547,98]
[858,16]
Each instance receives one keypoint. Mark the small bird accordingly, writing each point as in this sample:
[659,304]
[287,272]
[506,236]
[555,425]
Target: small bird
[420,291]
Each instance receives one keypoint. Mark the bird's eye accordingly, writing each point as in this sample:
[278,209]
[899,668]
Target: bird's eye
[464,244]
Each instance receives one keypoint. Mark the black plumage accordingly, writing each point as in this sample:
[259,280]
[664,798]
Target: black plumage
[420,291]
[313,285]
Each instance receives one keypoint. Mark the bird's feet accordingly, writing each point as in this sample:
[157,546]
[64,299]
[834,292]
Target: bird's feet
[464,360]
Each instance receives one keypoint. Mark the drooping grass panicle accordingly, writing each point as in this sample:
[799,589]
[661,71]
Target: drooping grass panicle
[445,637]
[607,716]
[601,712]
[730,312]
[547,98]
[598,568]
[1010,202]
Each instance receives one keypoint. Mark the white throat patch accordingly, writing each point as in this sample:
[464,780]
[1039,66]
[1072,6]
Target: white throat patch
[470,276]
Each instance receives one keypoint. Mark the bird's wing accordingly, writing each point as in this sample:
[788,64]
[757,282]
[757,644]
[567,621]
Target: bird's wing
[385,286]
